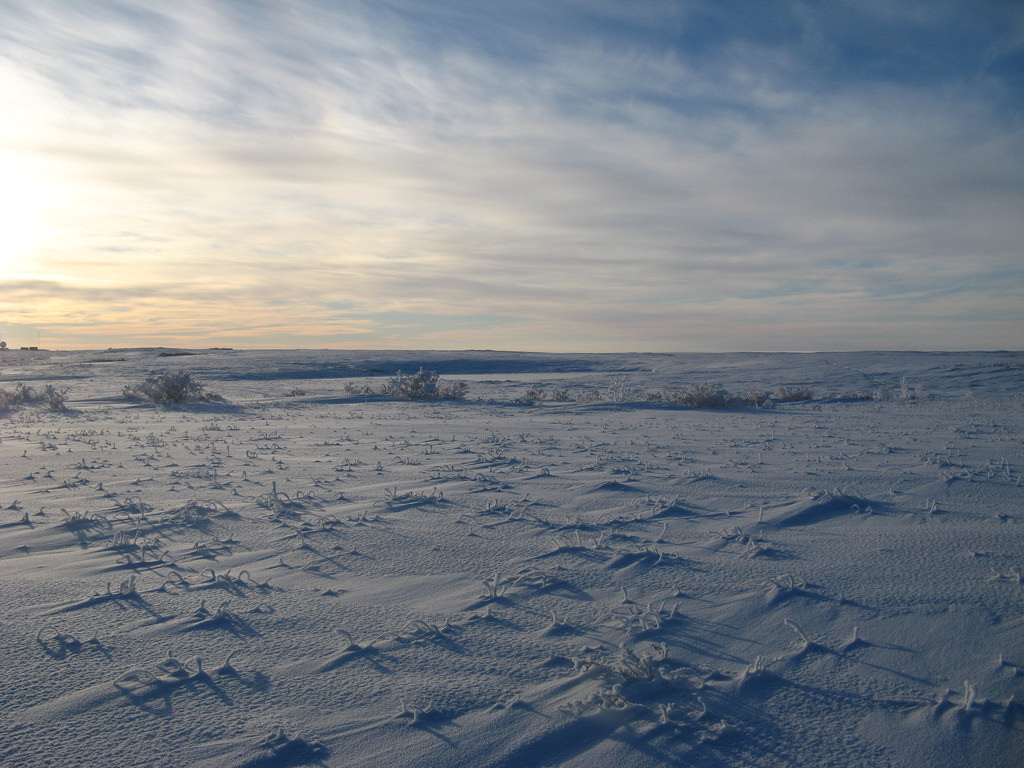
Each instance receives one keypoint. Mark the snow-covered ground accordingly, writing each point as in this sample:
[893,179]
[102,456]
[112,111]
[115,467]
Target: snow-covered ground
[303,575]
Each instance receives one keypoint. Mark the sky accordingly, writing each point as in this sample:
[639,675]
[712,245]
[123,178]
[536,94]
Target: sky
[559,175]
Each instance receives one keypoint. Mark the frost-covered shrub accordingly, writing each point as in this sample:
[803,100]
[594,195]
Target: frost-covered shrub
[423,384]
[353,389]
[536,394]
[909,391]
[55,399]
[21,395]
[533,394]
[906,391]
[704,395]
[10,400]
[52,397]
[168,388]
[793,394]
[453,390]
[620,392]
[758,399]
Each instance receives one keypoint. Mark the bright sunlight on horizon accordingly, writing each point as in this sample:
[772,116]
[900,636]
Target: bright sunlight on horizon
[556,176]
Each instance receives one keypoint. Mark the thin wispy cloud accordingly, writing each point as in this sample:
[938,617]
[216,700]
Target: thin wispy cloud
[593,176]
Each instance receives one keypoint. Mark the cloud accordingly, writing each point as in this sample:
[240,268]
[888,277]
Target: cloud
[568,175]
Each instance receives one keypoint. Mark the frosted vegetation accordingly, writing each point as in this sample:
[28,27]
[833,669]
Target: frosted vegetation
[422,385]
[169,388]
[49,396]
[506,559]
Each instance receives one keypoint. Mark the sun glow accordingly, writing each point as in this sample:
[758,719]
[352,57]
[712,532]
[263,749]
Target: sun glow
[25,199]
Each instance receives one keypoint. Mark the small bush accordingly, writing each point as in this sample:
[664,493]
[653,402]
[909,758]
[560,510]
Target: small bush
[536,395]
[620,392]
[169,388]
[21,395]
[758,399]
[905,392]
[533,394]
[422,385]
[704,395]
[910,391]
[53,398]
[793,394]
[8,400]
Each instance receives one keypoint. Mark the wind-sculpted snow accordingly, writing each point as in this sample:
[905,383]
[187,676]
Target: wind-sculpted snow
[816,507]
[562,569]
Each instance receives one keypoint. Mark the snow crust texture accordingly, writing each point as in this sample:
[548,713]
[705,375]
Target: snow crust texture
[563,569]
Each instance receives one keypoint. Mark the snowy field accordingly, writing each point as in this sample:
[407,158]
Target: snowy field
[563,569]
